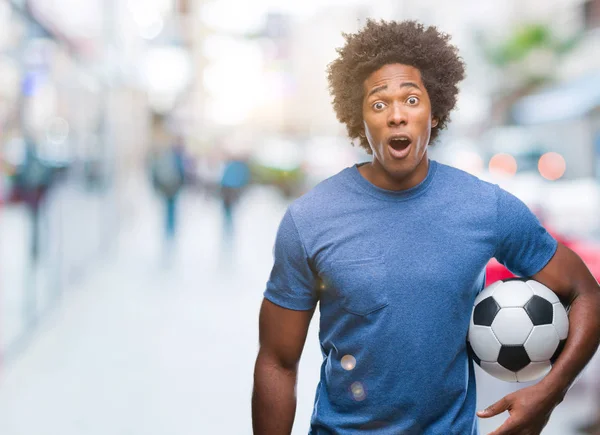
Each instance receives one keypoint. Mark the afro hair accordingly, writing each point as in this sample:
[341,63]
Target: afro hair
[381,43]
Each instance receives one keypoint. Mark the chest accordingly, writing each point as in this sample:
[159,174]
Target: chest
[431,261]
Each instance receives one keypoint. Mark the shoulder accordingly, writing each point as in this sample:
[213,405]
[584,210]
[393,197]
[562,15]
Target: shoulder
[451,173]
[321,197]
[465,183]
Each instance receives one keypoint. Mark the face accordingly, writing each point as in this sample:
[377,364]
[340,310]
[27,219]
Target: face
[397,123]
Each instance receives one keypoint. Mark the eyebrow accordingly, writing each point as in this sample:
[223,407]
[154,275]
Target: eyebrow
[384,87]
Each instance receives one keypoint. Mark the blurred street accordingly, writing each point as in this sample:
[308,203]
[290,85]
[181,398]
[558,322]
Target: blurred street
[149,149]
[143,348]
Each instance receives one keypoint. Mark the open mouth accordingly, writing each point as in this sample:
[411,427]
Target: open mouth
[399,143]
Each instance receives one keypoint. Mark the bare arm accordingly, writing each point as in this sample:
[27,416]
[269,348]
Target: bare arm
[571,280]
[530,408]
[282,334]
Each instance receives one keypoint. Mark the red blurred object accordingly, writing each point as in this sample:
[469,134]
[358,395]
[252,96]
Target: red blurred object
[588,251]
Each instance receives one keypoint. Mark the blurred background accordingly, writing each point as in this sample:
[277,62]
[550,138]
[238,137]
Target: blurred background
[149,148]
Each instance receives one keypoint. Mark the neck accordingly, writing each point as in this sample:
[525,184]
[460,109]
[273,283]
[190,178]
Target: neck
[375,173]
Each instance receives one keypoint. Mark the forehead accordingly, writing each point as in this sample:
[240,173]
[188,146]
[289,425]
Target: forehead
[393,73]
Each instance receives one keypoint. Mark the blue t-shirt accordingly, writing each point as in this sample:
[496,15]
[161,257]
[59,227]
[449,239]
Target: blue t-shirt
[396,275]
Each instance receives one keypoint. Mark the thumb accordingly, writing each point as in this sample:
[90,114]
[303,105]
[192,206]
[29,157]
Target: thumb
[497,408]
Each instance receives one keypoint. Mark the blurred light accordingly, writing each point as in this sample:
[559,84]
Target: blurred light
[144,6]
[223,112]
[358,391]
[148,16]
[223,76]
[167,69]
[552,166]
[307,8]
[57,130]
[232,99]
[220,46]
[152,30]
[144,18]
[503,164]
[468,161]
[234,16]
[348,362]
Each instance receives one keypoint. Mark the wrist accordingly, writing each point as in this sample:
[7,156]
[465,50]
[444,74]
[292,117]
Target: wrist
[554,387]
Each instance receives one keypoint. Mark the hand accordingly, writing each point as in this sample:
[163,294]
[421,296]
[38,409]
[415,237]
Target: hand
[529,410]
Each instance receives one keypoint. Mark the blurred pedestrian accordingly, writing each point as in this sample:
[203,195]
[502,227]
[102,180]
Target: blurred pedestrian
[168,178]
[234,180]
[394,252]
[32,181]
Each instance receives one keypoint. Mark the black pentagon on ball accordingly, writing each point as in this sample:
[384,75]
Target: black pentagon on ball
[516,279]
[485,312]
[472,354]
[540,311]
[513,358]
[558,351]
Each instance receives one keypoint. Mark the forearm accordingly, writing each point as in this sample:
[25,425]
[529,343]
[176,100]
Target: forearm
[582,342]
[273,398]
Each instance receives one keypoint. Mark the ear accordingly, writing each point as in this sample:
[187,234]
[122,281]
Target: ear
[434,122]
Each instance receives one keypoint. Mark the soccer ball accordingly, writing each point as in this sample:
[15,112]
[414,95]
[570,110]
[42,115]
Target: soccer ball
[518,329]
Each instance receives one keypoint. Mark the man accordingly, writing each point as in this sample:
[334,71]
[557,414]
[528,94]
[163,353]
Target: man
[235,178]
[394,252]
[168,178]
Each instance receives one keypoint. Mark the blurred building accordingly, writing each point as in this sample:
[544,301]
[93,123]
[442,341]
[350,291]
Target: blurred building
[71,103]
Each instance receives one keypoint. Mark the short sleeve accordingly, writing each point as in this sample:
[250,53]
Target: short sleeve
[523,244]
[292,283]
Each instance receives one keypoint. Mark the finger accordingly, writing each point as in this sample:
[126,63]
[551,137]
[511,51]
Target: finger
[497,408]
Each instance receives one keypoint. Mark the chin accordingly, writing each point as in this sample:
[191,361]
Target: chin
[408,164]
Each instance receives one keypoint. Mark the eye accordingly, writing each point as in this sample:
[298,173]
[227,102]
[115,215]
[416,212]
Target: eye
[412,101]
[379,106]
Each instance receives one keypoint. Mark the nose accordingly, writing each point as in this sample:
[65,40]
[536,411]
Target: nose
[397,116]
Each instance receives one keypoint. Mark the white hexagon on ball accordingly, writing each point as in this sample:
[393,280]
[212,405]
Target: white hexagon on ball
[561,320]
[542,343]
[486,292]
[484,343]
[512,326]
[512,294]
[534,371]
[499,372]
